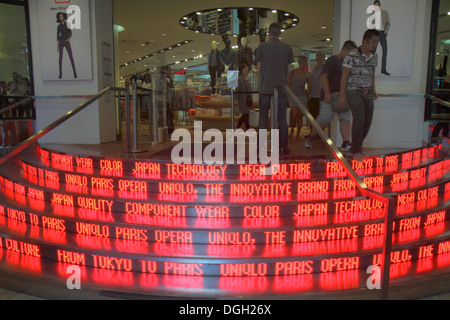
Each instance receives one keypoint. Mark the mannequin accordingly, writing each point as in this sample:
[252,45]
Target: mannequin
[228,57]
[245,53]
[214,65]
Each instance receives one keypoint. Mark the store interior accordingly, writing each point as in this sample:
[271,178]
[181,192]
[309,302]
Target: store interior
[183,40]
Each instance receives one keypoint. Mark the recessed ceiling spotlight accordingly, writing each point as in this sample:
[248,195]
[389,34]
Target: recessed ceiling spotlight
[185,18]
[323,28]
[274,11]
[198,12]
[219,10]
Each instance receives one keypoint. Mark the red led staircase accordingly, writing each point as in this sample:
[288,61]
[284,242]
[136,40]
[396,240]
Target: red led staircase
[150,226]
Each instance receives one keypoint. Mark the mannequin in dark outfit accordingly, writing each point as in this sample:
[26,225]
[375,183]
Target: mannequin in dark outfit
[245,54]
[214,65]
[64,35]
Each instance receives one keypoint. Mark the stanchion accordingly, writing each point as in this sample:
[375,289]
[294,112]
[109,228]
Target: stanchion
[127,123]
[232,109]
[135,123]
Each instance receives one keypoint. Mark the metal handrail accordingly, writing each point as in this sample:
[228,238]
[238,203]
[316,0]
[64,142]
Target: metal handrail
[365,191]
[440,101]
[15,105]
[27,143]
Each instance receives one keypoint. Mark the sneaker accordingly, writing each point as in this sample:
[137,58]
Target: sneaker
[309,142]
[346,146]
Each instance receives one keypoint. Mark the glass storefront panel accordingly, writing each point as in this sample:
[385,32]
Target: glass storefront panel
[14,44]
[439,78]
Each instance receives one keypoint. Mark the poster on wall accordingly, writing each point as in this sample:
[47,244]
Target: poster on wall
[395,20]
[65,40]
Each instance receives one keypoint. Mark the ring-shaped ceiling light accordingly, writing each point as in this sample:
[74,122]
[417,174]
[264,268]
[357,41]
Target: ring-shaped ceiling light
[239,22]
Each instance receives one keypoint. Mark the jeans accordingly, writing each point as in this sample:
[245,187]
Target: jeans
[383,43]
[362,107]
[265,101]
[66,44]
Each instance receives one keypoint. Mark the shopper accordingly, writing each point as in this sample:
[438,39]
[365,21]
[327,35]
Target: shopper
[330,82]
[314,101]
[358,88]
[244,86]
[274,59]
[299,80]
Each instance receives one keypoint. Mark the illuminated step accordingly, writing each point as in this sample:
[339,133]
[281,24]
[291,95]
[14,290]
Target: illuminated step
[141,262]
[407,229]
[425,198]
[281,286]
[52,223]
[143,189]
[152,169]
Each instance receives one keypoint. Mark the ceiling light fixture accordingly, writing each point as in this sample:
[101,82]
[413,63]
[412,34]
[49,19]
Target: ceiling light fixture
[154,53]
[218,20]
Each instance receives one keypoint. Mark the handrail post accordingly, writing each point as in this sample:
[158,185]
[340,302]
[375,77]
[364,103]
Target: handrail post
[135,118]
[387,248]
[155,110]
[232,109]
[127,122]
[119,115]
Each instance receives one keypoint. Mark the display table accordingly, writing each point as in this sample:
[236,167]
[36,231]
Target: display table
[221,123]
[218,122]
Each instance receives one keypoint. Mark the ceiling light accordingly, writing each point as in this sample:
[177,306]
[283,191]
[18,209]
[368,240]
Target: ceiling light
[185,18]
[274,11]
[219,10]
[323,28]
[198,12]
[119,28]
